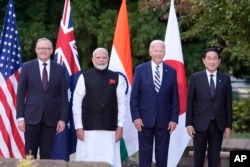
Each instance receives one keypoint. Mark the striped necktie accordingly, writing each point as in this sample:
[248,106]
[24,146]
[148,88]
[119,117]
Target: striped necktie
[157,80]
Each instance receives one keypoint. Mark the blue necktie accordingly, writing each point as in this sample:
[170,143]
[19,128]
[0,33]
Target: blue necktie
[212,87]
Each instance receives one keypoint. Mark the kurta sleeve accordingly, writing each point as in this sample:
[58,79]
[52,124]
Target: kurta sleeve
[121,100]
[78,96]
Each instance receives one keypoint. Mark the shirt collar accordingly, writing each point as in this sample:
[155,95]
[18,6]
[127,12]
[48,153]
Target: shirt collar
[209,73]
[154,65]
[41,62]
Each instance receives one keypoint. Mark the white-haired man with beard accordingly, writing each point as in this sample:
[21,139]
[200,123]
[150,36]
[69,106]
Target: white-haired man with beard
[99,110]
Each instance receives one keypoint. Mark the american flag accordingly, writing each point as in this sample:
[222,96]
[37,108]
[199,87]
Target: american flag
[12,140]
[67,55]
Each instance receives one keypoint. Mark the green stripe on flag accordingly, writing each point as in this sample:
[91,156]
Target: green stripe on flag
[123,150]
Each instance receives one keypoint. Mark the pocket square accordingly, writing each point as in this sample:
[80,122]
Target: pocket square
[112,81]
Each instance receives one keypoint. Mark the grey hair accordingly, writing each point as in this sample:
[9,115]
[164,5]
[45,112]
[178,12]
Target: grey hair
[44,39]
[100,49]
[157,41]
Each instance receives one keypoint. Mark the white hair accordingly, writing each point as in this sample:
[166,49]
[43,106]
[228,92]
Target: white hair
[100,49]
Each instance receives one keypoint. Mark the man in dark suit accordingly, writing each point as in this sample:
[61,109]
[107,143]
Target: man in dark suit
[209,109]
[154,105]
[41,101]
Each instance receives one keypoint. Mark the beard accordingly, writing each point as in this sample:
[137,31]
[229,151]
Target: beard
[101,66]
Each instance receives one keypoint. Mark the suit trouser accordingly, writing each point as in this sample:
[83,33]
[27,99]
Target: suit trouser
[210,140]
[146,141]
[39,136]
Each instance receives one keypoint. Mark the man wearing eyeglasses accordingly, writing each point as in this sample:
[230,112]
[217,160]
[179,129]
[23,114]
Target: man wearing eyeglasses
[42,102]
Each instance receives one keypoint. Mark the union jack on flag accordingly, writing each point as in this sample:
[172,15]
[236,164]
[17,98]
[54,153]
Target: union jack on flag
[66,50]
[66,54]
[11,139]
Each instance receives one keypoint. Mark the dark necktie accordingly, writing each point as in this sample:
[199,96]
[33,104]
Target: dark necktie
[157,80]
[44,77]
[212,87]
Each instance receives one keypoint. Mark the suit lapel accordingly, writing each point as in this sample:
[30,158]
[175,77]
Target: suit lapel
[37,74]
[52,74]
[150,75]
[219,81]
[164,74]
[205,83]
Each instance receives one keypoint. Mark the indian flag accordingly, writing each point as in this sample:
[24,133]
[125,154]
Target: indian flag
[179,138]
[121,61]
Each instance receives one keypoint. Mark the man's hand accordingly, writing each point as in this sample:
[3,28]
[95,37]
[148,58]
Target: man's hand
[191,131]
[227,133]
[80,134]
[60,126]
[118,133]
[138,124]
[21,125]
[171,126]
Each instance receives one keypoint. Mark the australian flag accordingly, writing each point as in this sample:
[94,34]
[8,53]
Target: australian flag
[67,55]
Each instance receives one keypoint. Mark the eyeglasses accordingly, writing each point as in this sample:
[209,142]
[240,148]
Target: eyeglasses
[215,59]
[44,49]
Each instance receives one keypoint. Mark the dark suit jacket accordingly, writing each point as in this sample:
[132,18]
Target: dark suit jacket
[151,107]
[201,105]
[33,101]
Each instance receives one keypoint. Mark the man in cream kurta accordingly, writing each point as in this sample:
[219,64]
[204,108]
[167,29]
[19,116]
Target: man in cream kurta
[98,130]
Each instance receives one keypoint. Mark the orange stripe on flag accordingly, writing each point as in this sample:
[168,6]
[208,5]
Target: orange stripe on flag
[122,34]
